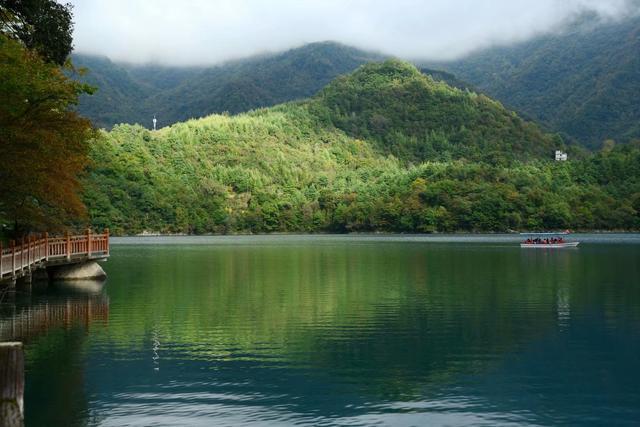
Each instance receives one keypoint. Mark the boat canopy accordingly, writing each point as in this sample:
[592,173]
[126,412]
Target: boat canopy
[559,233]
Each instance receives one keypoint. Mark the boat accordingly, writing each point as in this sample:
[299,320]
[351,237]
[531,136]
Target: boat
[547,240]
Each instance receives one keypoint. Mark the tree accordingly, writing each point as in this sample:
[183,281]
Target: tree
[43,145]
[42,25]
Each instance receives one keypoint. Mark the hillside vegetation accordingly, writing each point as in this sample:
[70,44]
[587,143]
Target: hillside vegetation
[416,118]
[383,149]
[584,82]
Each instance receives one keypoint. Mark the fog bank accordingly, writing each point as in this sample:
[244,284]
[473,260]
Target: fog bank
[202,32]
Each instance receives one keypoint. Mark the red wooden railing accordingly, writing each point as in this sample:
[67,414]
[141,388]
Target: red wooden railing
[36,250]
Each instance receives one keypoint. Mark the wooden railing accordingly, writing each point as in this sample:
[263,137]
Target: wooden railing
[36,251]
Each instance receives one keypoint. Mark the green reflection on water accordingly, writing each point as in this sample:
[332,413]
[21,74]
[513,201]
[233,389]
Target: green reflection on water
[367,322]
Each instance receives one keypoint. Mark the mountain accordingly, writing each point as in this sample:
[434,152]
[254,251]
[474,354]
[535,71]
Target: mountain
[385,148]
[583,82]
[118,94]
[133,94]
[448,78]
[260,82]
[415,117]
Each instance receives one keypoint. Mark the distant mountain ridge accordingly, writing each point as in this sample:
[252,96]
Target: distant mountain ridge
[584,82]
[130,93]
[133,94]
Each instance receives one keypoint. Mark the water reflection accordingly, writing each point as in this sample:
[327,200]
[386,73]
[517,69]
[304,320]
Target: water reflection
[156,348]
[80,287]
[53,320]
[322,333]
[32,313]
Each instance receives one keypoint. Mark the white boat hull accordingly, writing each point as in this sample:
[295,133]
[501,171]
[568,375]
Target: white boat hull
[549,245]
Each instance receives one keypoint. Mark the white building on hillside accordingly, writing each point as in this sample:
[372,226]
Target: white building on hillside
[561,156]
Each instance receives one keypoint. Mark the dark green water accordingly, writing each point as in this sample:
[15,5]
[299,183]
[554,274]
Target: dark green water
[397,331]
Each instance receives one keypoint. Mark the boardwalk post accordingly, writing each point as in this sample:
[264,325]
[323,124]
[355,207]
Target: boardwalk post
[68,246]
[46,246]
[29,254]
[22,253]
[12,244]
[88,243]
[11,384]
[106,233]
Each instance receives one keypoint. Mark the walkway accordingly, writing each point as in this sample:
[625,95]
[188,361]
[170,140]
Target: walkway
[34,253]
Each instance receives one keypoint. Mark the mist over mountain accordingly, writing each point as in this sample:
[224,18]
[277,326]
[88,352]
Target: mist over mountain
[210,32]
[584,82]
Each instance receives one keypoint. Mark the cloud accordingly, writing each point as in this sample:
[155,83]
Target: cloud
[210,31]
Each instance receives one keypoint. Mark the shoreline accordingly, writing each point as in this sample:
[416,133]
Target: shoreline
[362,238]
[371,233]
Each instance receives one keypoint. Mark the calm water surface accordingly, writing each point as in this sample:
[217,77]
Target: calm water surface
[338,330]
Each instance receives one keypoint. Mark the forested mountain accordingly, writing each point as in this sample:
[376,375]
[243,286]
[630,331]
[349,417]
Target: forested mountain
[383,149]
[584,82]
[119,95]
[416,118]
[448,78]
[133,94]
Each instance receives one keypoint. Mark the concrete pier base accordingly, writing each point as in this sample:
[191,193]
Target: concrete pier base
[80,271]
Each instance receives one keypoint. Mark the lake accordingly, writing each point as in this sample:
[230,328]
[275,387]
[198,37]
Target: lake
[338,330]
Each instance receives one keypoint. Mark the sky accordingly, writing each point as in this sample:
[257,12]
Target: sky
[200,32]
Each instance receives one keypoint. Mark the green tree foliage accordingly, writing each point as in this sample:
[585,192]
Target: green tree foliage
[584,82]
[43,146]
[41,25]
[384,149]
[414,117]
